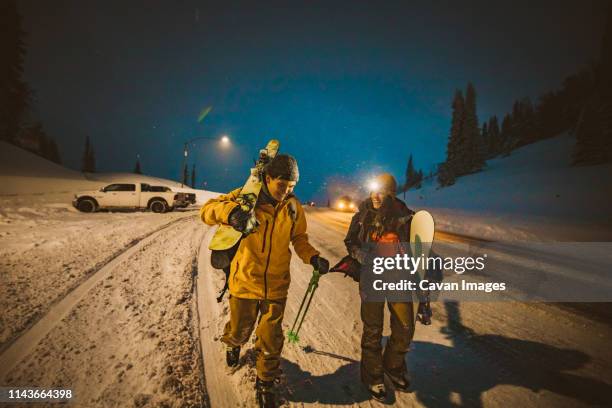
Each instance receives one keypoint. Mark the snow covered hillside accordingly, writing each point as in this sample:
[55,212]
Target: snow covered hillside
[534,194]
[24,173]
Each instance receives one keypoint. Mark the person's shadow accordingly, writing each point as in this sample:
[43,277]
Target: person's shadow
[477,363]
[341,387]
[457,375]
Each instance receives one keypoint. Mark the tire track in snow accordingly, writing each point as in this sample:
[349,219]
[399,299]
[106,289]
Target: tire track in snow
[220,389]
[21,346]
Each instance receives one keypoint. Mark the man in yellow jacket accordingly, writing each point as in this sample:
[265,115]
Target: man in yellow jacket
[259,272]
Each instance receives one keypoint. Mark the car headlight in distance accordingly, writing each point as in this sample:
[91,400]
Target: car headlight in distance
[352,206]
[341,206]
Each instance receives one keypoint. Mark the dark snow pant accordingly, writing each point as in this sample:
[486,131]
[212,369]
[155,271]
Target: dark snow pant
[269,331]
[373,362]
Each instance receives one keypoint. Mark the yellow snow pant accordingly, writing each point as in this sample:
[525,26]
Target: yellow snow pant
[373,362]
[269,331]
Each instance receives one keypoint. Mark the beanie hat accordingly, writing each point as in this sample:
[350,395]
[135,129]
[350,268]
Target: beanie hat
[385,183]
[283,166]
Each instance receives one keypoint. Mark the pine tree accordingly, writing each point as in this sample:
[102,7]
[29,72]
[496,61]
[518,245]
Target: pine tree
[193,176]
[47,146]
[137,169]
[88,160]
[85,164]
[410,175]
[53,153]
[594,125]
[506,135]
[448,169]
[493,138]
[605,83]
[484,140]
[524,129]
[530,128]
[471,152]
[587,149]
[446,176]
[484,133]
[14,92]
[92,160]
[185,174]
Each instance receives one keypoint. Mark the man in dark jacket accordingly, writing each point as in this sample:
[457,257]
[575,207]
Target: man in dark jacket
[382,218]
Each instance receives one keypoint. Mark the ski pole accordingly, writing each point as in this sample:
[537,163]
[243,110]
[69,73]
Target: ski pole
[292,336]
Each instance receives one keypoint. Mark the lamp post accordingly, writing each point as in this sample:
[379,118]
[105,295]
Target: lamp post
[225,140]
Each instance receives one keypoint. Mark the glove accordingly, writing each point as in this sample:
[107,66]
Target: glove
[349,266]
[359,255]
[320,264]
[238,219]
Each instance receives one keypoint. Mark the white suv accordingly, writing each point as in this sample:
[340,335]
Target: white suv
[125,195]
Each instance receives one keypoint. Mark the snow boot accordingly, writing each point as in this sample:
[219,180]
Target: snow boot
[232,356]
[424,313]
[266,397]
[400,383]
[377,391]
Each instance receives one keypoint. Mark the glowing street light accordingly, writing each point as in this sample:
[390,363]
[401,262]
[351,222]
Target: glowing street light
[224,140]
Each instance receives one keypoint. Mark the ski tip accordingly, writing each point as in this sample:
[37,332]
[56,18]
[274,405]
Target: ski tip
[273,146]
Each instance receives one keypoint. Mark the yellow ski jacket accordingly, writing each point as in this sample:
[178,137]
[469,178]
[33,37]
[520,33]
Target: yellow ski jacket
[260,268]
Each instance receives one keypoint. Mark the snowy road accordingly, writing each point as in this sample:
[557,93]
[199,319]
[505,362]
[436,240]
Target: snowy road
[138,325]
[474,354]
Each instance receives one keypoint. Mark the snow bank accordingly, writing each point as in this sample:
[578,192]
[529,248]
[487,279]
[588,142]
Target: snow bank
[534,194]
[24,173]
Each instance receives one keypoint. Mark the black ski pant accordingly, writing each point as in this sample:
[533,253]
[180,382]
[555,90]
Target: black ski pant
[373,361]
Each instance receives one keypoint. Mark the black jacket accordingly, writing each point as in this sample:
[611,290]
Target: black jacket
[367,221]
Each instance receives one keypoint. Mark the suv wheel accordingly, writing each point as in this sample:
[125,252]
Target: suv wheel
[158,206]
[86,205]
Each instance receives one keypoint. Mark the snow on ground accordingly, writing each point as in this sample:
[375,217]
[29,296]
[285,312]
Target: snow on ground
[493,354]
[534,194]
[24,173]
[130,341]
[46,246]
[48,251]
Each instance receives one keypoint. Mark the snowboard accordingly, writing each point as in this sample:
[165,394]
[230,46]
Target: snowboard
[226,237]
[422,230]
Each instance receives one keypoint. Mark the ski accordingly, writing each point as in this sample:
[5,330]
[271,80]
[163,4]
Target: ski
[226,237]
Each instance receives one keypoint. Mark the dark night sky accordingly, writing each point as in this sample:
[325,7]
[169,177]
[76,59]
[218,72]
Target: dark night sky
[348,88]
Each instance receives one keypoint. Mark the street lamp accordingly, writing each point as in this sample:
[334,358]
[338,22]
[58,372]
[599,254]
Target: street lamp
[224,140]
